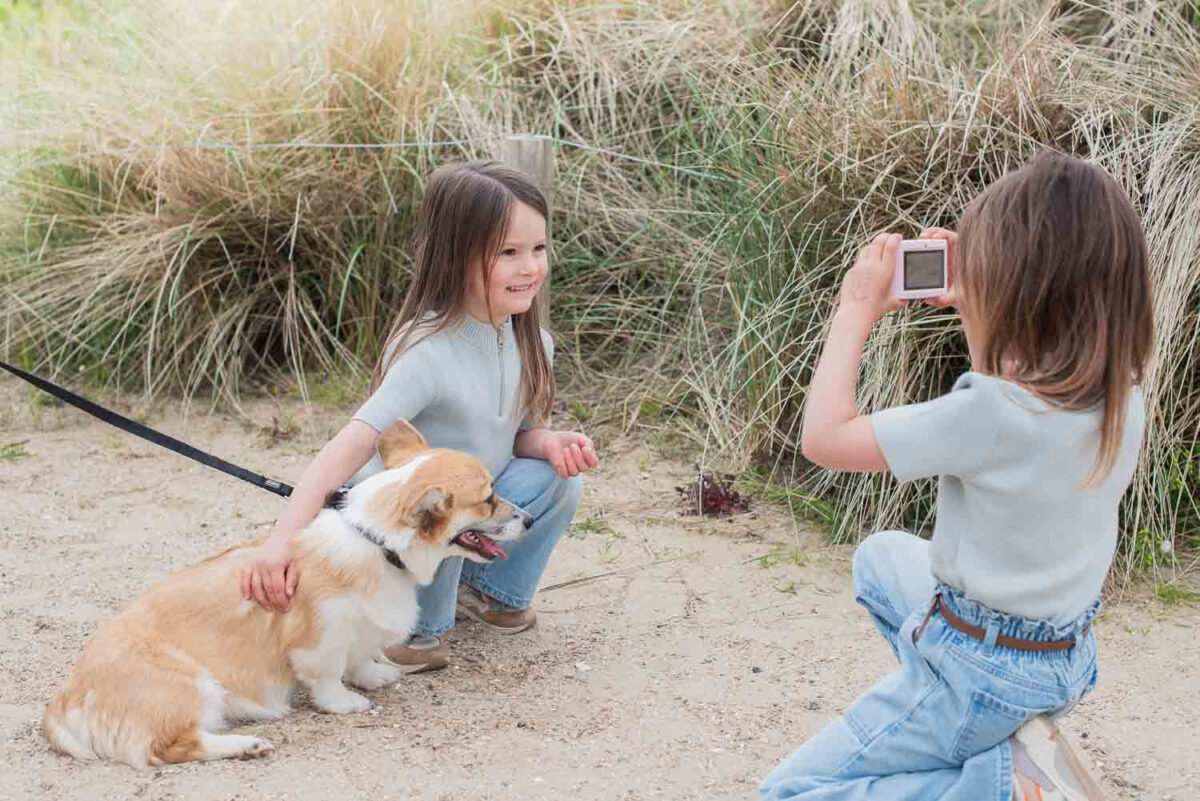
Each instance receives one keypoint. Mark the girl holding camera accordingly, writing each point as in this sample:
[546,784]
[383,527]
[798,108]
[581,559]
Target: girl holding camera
[991,620]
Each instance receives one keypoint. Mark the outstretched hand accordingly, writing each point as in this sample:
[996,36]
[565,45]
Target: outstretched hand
[569,452]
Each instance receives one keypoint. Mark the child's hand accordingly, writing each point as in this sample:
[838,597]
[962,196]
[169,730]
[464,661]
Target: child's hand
[867,287]
[569,453]
[270,579]
[951,296]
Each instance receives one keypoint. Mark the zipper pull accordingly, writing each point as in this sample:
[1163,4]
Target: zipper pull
[500,355]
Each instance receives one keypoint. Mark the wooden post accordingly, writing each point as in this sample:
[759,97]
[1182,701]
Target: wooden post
[534,156]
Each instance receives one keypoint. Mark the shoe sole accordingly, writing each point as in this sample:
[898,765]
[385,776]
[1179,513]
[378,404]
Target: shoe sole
[478,618]
[1046,748]
[429,667]
[436,663]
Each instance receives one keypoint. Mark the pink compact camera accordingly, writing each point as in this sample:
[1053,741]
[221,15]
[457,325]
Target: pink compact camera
[920,269]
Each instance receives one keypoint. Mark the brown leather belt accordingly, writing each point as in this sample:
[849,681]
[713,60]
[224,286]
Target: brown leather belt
[981,634]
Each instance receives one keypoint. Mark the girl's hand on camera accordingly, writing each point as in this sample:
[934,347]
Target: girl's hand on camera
[951,239]
[867,287]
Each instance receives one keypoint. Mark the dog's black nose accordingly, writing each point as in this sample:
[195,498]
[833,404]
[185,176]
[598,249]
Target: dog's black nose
[527,519]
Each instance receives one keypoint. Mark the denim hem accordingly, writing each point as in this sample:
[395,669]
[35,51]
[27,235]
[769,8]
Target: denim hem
[422,631]
[508,599]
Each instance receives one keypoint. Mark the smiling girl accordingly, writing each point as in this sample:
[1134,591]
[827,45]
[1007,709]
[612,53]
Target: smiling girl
[467,363]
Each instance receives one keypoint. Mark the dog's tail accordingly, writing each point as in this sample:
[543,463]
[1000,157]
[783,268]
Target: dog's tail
[140,714]
[75,725]
[68,729]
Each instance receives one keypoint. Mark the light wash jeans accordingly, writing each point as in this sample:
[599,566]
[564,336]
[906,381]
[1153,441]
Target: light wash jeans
[939,726]
[532,485]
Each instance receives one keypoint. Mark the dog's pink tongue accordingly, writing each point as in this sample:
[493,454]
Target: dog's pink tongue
[489,547]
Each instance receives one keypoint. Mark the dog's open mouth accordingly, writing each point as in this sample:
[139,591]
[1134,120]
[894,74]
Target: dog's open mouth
[480,543]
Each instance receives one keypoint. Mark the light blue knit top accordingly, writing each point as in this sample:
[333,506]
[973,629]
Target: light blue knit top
[459,388]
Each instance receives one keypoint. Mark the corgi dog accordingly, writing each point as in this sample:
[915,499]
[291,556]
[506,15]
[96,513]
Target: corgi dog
[158,682]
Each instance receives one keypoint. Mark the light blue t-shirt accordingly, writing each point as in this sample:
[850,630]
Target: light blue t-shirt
[1015,528]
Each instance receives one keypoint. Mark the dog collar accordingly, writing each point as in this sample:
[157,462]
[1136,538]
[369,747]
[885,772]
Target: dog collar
[337,502]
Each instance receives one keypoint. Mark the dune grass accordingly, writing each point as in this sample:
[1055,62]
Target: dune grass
[149,240]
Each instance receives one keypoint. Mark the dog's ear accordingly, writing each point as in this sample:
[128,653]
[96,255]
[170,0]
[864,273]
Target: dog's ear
[400,507]
[399,443]
[431,512]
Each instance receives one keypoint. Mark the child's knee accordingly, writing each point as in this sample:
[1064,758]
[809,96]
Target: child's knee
[870,551]
[565,493]
[571,492]
[877,553]
[524,481]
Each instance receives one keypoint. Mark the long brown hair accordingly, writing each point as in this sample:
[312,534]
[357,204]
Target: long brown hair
[1054,274]
[462,223]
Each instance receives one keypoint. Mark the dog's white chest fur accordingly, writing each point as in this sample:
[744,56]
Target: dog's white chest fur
[381,618]
[356,625]
[371,620]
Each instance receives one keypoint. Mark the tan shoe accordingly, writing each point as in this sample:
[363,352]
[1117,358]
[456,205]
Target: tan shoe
[1047,768]
[494,615]
[420,654]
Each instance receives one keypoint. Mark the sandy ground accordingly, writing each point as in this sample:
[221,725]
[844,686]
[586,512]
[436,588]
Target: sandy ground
[698,655]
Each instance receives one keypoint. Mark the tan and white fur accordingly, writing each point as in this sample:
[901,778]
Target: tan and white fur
[157,683]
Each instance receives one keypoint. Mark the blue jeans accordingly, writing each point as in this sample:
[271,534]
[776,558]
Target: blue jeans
[939,726]
[532,485]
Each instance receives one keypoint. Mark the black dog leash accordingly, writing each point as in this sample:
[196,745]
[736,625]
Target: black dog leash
[336,500]
[149,434]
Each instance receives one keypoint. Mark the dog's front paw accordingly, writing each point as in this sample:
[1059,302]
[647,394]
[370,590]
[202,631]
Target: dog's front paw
[340,701]
[372,675]
[258,749]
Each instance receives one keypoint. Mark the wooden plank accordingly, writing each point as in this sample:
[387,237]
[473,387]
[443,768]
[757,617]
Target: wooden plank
[534,156]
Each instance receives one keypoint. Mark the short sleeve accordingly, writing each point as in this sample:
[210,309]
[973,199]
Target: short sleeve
[528,421]
[409,386]
[950,435]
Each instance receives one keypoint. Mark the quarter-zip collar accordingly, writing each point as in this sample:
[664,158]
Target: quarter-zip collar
[492,342]
[484,336]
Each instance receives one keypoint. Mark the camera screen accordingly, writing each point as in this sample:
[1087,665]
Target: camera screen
[924,269]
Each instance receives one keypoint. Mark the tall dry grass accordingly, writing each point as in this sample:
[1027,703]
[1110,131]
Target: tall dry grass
[141,254]
[141,258]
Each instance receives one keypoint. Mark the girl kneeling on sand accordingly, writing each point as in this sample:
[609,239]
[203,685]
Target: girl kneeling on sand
[991,620]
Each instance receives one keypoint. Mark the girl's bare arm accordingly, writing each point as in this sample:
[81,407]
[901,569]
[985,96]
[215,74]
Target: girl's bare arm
[834,434]
[271,578]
